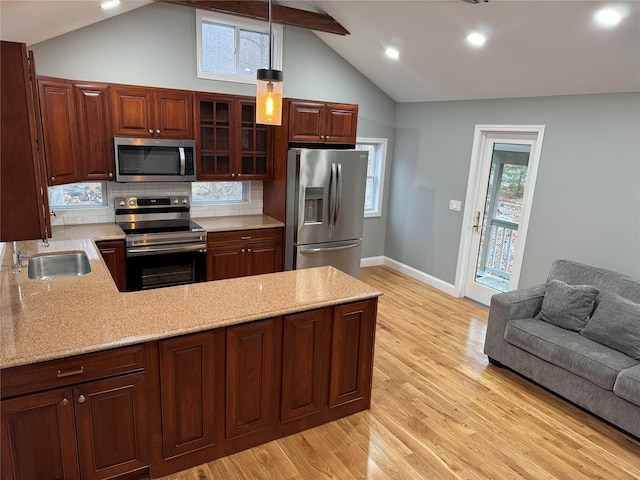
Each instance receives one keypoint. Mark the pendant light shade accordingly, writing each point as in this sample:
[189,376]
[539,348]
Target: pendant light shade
[269,97]
[269,90]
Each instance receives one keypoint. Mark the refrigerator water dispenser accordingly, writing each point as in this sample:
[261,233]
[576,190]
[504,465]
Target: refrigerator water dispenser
[313,204]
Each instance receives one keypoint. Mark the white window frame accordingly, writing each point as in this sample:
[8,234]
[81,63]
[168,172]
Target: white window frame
[378,177]
[246,196]
[239,24]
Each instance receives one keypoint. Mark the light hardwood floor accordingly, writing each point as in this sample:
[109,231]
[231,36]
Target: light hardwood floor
[440,411]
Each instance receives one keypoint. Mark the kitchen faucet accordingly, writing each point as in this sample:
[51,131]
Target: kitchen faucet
[18,258]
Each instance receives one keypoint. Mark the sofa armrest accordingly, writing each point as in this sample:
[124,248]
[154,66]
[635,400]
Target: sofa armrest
[521,303]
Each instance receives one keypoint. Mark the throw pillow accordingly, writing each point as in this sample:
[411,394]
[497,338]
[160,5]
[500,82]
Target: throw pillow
[616,324]
[567,306]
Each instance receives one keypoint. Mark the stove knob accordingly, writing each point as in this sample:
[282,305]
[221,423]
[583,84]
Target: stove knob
[122,203]
[184,201]
[175,201]
[132,202]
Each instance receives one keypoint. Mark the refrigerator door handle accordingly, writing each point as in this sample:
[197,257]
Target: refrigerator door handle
[329,249]
[332,194]
[338,194]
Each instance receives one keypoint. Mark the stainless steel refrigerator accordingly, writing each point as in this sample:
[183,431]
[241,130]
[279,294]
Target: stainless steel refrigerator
[325,208]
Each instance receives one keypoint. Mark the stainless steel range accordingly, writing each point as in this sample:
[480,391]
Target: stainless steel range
[164,246]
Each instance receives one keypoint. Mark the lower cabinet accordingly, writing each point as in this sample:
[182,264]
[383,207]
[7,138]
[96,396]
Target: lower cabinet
[96,430]
[114,256]
[242,253]
[236,387]
[169,405]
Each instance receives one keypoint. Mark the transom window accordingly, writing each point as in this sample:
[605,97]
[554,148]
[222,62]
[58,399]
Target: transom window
[234,48]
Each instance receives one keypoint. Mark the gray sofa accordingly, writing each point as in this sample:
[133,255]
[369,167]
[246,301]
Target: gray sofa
[577,335]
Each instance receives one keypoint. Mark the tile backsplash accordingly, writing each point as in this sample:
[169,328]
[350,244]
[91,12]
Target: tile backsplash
[107,214]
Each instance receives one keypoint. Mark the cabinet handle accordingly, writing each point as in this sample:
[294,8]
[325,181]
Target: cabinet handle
[151,130]
[242,250]
[248,237]
[82,399]
[248,250]
[233,175]
[64,402]
[239,174]
[61,374]
[110,175]
[158,132]
[53,179]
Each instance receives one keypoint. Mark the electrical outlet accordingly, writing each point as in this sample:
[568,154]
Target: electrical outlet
[455,205]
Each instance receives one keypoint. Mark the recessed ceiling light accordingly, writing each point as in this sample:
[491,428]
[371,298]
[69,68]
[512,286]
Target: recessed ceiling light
[476,39]
[608,17]
[392,53]
[109,5]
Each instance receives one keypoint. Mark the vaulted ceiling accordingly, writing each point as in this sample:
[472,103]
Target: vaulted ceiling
[533,47]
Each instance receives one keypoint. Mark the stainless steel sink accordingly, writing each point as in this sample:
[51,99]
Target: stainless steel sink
[58,265]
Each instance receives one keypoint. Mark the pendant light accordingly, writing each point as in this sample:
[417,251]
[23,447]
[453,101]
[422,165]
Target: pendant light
[269,91]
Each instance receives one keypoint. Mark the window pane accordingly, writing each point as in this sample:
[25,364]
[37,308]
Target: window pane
[218,49]
[254,53]
[219,192]
[368,196]
[76,195]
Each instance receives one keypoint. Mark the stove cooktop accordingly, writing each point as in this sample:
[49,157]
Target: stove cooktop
[147,227]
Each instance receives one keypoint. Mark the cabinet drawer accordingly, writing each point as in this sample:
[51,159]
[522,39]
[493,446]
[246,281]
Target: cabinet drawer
[71,370]
[244,236]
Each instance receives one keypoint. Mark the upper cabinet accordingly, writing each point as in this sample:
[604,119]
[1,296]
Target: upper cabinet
[151,112]
[315,122]
[76,125]
[23,200]
[230,145]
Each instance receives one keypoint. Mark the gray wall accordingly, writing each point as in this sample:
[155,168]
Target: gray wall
[587,196]
[155,45]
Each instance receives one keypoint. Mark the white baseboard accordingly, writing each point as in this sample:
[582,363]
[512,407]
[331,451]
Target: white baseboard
[411,272]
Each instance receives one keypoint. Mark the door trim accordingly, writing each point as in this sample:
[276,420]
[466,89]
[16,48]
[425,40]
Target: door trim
[480,139]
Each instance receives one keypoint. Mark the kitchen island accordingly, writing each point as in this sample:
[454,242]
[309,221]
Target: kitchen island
[194,372]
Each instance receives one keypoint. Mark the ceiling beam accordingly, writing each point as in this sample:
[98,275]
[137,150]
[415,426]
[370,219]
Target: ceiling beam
[260,10]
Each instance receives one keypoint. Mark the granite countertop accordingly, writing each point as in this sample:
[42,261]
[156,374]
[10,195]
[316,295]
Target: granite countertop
[48,319]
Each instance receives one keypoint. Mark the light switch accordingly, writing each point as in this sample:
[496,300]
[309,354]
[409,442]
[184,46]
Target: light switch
[455,205]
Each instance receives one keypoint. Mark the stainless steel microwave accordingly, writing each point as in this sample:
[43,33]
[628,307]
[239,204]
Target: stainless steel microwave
[154,160]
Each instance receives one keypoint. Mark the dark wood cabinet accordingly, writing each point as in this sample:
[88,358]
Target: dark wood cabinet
[111,425]
[24,207]
[230,145]
[151,112]
[39,438]
[315,122]
[191,401]
[352,355]
[61,142]
[241,253]
[93,115]
[114,256]
[91,425]
[304,361]
[249,378]
[76,125]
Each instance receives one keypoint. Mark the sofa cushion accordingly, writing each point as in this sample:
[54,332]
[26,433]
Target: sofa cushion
[616,324]
[569,350]
[628,385]
[567,306]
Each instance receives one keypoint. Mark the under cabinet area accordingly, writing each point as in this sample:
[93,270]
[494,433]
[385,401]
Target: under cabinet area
[245,252]
[64,418]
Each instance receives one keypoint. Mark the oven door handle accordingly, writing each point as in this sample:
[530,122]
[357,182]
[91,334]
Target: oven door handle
[159,250]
